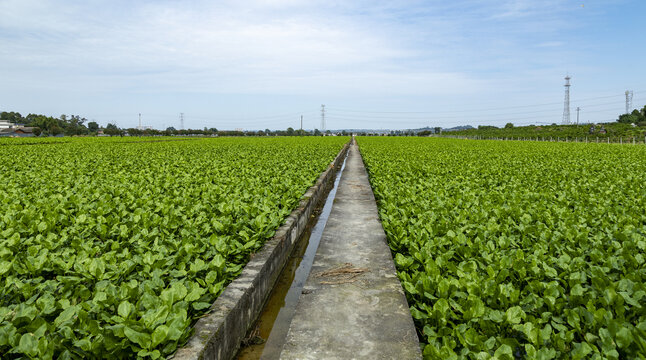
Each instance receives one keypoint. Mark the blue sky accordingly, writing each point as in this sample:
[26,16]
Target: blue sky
[260,64]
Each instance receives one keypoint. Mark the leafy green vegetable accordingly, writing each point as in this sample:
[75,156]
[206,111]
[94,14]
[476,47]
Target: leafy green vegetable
[112,249]
[515,250]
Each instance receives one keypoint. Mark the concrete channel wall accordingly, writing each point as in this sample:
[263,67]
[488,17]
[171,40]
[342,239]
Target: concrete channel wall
[219,334]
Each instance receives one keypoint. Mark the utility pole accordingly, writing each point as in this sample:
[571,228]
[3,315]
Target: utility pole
[301,124]
[323,118]
[181,120]
[577,114]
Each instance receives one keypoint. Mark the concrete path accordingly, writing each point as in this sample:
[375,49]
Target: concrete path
[352,305]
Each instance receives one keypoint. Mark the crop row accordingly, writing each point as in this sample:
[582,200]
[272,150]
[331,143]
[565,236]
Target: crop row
[517,249]
[113,250]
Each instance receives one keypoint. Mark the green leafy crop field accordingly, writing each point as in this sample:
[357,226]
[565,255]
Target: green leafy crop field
[113,248]
[512,250]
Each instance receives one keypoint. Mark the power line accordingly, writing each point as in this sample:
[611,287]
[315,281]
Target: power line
[479,110]
[479,120]
[350,113]
[431,118]
[547,113]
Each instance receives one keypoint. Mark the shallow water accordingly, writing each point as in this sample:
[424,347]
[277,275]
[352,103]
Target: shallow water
[276,317]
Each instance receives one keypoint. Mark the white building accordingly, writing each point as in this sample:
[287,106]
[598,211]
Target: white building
[4,124]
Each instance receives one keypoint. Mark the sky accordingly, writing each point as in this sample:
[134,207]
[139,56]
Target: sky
[374,64]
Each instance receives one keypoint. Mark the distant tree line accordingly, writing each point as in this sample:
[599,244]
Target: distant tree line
[112,129]
[75,125]
[627,125]
[48,125]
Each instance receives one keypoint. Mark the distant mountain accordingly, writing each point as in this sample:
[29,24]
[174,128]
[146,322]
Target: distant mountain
[367,131]
[428,128]
[458,128]
[387,131]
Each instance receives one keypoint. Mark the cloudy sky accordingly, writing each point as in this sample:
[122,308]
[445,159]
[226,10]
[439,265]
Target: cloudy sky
[259,64]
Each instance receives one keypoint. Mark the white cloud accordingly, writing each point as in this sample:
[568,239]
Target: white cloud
[430,50]
[207,40]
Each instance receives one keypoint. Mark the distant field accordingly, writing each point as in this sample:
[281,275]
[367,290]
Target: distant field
[517,249]
[111,248]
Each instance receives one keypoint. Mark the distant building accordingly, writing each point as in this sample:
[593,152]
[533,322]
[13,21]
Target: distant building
[24,130]
[21,131]
[4,124]
[144,127]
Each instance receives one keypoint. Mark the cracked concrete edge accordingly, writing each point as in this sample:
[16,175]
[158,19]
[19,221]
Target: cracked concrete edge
[219,334]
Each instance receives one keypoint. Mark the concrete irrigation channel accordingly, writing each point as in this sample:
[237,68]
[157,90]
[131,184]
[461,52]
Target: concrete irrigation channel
[219,334]
[352,304]
[268,336]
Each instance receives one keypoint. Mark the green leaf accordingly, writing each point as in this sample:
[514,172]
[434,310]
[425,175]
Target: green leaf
[530,332]
[65,316]
[194,293]
[514,315]
[197,266]
[123,231]
[490,343]
[177,325]
[5,266]
[404,262]
[624,338]
[28,345]
[159,335]
[125,308]
[531,352]
[100,297]
[142,339]
[27,312]
[546,354]
[581,350]
[175,293]
[504,352]
[97,268]
[201,305]
[577,290]
[154,317]
[211,277]
[84,344]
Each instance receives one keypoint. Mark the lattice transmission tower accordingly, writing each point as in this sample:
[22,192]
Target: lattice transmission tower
[629,101]
[323,118]
[566,103]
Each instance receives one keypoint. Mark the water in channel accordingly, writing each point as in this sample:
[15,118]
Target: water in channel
[276,317]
